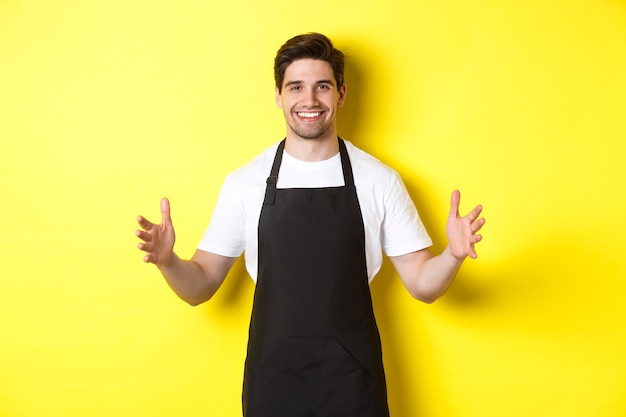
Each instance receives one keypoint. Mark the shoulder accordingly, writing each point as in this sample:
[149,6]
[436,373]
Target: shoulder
[255,172]
[370,170]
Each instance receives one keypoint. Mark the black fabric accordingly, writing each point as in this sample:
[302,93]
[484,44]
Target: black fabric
[314,348]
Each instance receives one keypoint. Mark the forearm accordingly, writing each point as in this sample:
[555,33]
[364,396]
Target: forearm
[436,276]
[188,280]
[425,276]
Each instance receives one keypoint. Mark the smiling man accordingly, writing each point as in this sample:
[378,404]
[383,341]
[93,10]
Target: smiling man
[313,215]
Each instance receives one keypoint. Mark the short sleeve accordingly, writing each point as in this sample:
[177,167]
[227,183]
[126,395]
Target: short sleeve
[402,229]
[226,233]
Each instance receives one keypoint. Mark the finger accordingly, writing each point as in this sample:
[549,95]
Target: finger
[146,247]
[473,215]
[472,252]
[145,223]
[145,236]
[477,225]
[165,211]
[455,200]
[472,249]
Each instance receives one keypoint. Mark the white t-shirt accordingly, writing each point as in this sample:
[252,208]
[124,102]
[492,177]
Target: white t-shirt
[391,221]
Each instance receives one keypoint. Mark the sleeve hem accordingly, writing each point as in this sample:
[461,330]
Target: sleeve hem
[228,252]
[399,251]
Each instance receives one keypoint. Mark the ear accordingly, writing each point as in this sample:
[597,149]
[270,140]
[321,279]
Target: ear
[279,101]
[343,90]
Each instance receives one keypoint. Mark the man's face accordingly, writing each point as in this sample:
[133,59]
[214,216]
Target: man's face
[310,98]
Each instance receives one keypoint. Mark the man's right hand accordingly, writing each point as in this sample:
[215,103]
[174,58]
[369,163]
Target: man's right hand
[158,239]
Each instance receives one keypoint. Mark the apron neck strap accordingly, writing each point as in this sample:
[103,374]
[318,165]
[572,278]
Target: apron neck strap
[270,189]
[272,180]
[348,178]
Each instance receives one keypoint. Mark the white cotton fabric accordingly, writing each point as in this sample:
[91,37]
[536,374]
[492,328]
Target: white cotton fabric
[392,224]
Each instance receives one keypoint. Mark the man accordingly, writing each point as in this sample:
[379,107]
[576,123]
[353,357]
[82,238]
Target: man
[313,214]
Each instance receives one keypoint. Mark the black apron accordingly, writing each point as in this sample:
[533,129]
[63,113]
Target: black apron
[314,348]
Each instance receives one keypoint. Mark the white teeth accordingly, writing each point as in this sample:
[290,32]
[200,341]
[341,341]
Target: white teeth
[309,115]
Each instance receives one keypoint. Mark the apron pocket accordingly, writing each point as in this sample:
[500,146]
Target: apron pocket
[312,377]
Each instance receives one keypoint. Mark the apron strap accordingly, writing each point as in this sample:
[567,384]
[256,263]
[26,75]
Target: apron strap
[270,190]
[348,177]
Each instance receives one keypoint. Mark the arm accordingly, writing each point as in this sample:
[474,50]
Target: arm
[427,277]
[195,280]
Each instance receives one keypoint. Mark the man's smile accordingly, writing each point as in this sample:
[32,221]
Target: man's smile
[309,115]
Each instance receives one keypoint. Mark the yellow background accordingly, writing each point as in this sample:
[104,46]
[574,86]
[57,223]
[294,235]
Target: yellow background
[107,106]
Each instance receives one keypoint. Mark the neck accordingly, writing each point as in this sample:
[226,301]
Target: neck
[312,150]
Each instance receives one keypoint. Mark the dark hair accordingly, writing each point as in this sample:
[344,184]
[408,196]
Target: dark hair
[310,45]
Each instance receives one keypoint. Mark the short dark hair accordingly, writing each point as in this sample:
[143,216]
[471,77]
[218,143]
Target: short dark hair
[312,46]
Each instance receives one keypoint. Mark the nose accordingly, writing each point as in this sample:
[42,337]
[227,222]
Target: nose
[310,97]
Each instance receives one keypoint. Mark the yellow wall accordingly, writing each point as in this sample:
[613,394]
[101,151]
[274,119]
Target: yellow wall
[106,106]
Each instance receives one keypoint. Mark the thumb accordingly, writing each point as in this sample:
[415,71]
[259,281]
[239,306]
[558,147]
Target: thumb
[454,203]
[165,211]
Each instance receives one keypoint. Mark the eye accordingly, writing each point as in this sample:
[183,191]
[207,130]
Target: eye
[324,87]
[295,88]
